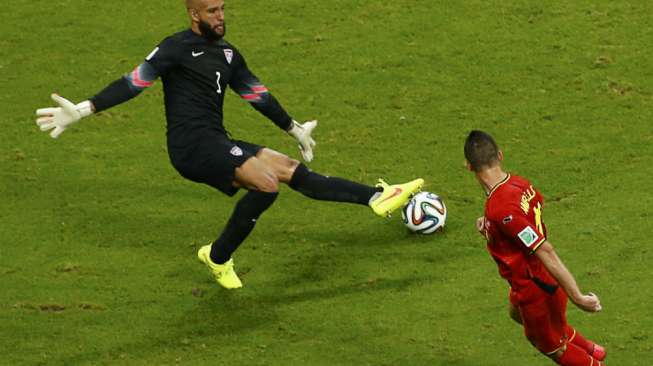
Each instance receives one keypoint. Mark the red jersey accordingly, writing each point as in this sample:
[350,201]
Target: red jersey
[514,230]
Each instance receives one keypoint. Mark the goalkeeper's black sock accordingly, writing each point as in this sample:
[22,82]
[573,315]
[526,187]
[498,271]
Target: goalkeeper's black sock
[325,188]
[241,223]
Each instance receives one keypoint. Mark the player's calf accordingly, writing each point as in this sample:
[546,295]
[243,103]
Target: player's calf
[593,349]
[325,188]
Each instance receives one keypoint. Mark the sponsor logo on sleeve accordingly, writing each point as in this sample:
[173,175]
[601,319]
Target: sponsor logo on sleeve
[528,236]
[229,55]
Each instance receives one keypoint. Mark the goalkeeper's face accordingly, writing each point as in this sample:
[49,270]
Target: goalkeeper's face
[213,32]
[209,16]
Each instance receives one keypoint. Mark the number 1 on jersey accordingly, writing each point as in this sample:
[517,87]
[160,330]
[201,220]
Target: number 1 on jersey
[217,73]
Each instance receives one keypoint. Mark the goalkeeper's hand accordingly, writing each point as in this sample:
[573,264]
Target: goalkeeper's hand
[59,118]
[302,133]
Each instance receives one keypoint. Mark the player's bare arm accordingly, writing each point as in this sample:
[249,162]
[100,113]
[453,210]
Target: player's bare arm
[547,254]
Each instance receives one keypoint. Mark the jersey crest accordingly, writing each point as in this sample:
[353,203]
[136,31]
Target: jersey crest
[228,55]
[236,151]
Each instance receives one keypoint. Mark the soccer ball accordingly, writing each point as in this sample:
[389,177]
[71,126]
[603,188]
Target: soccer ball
[425,213]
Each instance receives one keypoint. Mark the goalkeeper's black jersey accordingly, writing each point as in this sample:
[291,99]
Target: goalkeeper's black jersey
[195,74]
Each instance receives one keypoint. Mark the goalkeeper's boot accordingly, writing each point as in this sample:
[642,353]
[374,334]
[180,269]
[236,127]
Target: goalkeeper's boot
[224,274]
[394,196]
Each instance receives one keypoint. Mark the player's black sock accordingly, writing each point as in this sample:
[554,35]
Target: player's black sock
[325,188]
[241,223]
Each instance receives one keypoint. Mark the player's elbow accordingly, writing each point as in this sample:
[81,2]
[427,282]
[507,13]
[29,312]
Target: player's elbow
[546,254]
[251,97]
[545,248]
[257,99]
[255,94]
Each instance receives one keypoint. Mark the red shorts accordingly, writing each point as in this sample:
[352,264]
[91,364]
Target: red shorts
[544,320]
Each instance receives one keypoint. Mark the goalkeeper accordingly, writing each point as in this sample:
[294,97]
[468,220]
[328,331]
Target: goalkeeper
[196,66]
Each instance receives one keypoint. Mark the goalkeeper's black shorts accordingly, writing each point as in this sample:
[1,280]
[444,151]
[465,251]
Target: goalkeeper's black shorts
[213,161]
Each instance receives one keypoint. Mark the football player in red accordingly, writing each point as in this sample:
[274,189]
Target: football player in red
[540,284]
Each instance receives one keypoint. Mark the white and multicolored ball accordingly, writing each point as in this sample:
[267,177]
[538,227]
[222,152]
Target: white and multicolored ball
[425,213]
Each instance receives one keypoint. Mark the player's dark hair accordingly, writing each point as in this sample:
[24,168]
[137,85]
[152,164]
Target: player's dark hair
[481,151]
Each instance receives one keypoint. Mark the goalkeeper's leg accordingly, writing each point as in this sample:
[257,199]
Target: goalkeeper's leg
[263,190]
[383,199]
[217,256]
[240,224]
[325,188]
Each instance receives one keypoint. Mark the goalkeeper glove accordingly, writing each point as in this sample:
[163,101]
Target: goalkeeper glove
[302,133]
[61,117]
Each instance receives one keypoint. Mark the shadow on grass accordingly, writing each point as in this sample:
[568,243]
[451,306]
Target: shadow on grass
[224,314]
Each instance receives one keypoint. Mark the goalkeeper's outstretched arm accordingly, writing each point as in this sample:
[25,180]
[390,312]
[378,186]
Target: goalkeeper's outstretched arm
[129,86]
[248,86]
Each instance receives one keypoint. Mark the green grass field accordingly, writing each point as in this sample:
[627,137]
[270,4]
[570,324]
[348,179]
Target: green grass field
[98,232]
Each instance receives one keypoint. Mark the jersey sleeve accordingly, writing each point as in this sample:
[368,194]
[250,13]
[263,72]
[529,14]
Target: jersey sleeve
[164,56]
[248,86]
[160,60]
[125,88]
[512,222]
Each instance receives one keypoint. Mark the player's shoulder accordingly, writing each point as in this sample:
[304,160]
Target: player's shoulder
[190,38]
[519,182]
[182,38]
[513,184]
[225,44]
[229,46]
[507,194]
